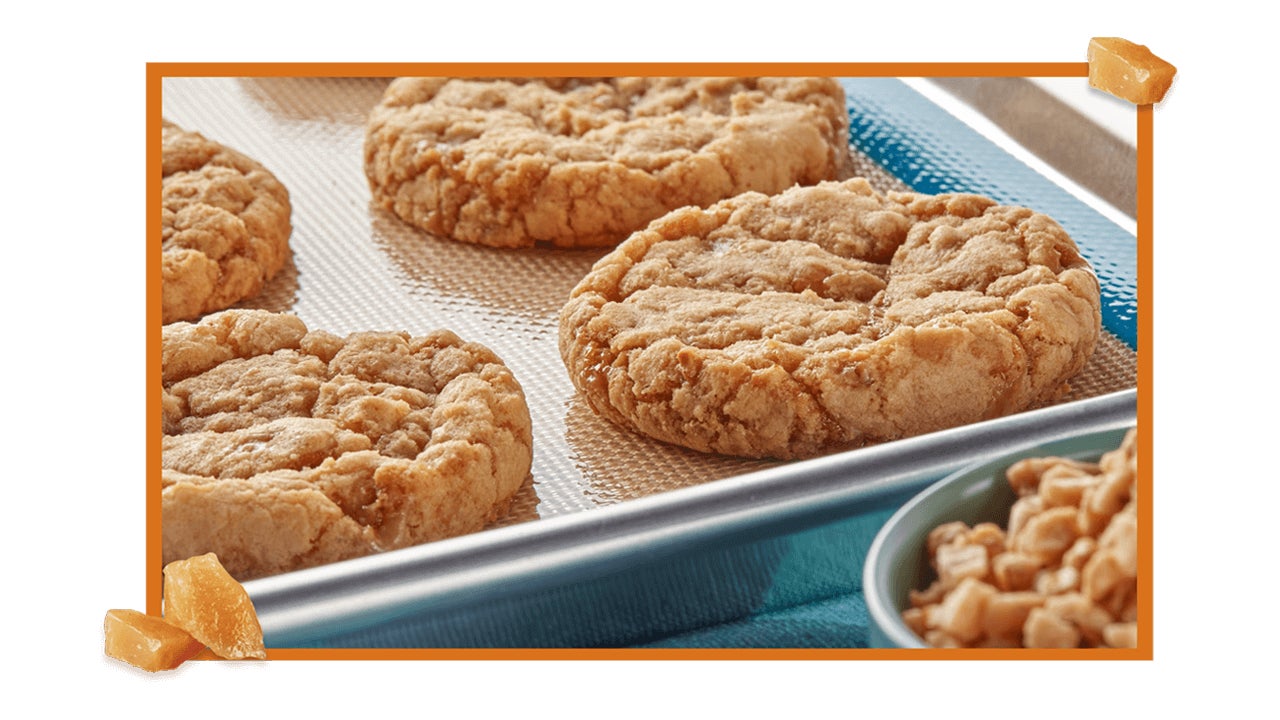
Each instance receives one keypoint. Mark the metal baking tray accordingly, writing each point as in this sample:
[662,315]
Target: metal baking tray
[617,540]
[498,587]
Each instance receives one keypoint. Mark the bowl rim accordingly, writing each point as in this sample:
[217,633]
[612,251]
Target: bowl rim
[881,614]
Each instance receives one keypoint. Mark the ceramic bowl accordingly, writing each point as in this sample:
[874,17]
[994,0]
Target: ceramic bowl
[897,561]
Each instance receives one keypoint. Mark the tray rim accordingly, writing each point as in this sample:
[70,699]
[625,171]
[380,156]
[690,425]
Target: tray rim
[308,605]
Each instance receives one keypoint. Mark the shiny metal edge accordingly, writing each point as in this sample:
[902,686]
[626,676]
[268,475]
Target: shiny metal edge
[1062,136]
[298,608]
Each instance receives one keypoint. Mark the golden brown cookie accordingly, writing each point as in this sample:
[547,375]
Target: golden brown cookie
[225,225]
[285,449]
[577,162]
[829,317]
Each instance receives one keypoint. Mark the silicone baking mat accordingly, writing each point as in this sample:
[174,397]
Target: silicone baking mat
[355,267]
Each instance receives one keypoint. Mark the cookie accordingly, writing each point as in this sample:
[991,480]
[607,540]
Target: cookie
[224,225]
[583,162]
[286,448]
[829,317]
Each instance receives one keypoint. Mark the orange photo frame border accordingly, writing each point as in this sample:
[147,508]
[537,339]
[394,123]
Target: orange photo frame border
[157,71]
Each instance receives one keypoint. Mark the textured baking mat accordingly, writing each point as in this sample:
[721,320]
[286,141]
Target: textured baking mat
[355,267]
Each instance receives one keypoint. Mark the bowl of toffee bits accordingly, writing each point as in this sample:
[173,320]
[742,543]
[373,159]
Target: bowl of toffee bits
[1035,549]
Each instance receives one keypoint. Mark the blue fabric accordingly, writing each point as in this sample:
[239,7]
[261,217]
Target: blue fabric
[801,590]
[814,600]
[835,622]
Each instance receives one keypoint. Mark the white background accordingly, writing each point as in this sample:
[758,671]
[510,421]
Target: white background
[74,379]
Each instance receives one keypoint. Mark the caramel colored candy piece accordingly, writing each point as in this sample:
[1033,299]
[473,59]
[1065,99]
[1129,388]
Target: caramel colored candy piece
[147,642]
[201,597]
[1128,70]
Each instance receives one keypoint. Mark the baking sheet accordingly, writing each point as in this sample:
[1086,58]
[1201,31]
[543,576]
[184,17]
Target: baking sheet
[355,267]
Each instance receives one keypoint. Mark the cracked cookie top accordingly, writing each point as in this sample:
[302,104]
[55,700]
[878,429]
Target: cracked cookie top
[577,162]
[829,317]
[224,225]
[285,448]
